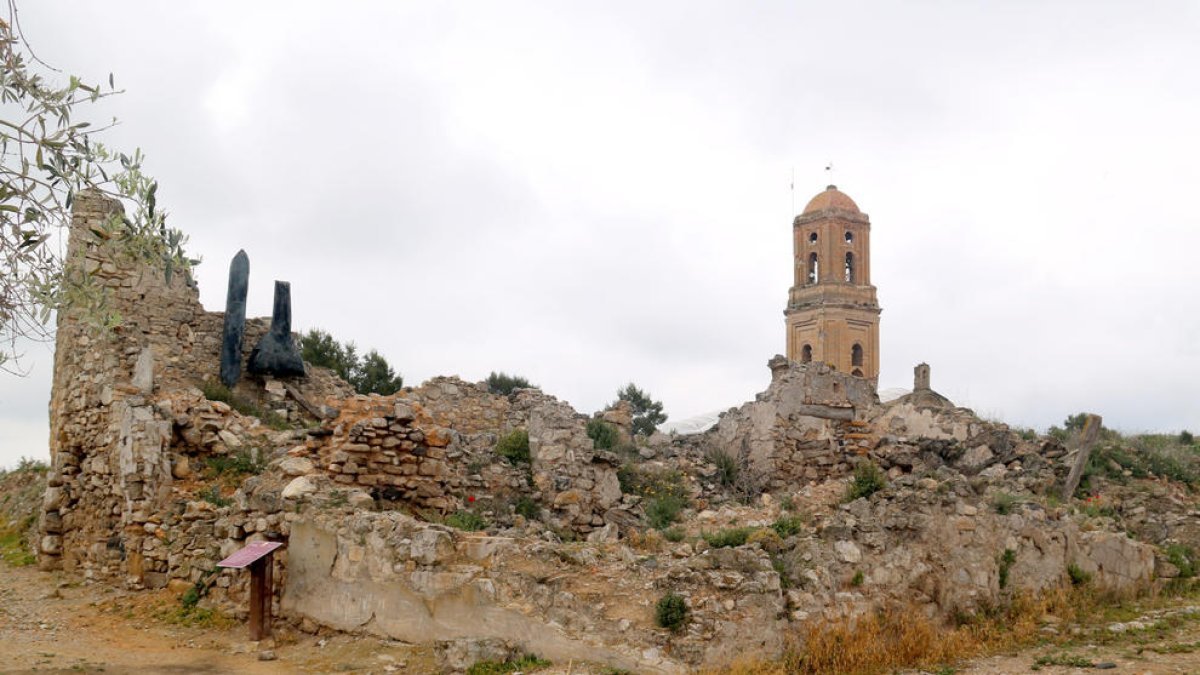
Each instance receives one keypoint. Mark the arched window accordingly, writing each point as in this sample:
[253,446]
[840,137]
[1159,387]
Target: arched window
[849,237]
[814,269]
[856,356]
[812,237]
[857,373]
[849,268]
[806,354]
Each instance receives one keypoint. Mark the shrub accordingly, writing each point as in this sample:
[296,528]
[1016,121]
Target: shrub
[504,384]
[604,436]
[868,479]
[787,526]
[468,521]
[729,538]
[858,578]
[671,612]
[664,492]
[514,447]
[1006,561]
[30,465]
[1077,575]
[727,465]
[1004,502]
[1186,438]
[528,508]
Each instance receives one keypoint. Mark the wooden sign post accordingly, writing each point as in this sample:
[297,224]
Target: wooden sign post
[257,556]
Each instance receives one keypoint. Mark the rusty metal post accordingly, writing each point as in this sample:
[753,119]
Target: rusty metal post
[260,598]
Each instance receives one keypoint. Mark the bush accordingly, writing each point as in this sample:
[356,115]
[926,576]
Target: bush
[1186,438]
[868,479]
[1077,575]
[858,579]
[213,496]
[664,491]
[767,538]
[787,526]
[732,537]
[468,521]
[671,612]
[604,436]
[514,447]
[504,384]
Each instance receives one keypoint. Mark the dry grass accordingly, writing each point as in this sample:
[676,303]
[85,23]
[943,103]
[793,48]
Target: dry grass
[904,637]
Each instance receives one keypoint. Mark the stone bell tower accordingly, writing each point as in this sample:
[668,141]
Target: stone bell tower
[832,314]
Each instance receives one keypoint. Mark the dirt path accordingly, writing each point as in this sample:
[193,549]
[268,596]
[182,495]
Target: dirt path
[48,625]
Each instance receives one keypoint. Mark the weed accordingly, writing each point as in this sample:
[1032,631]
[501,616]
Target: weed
[526,663]
[788,503]
[527,508]
[241,463]
[604,435]
[337,498]
[780,567]
[475,467]
[858,579]
[514,447]
[664,490]
[213,496]
[30,465]
[13,549]
[1077,575]
[868,479]
[671,612]
[1003,503]
[1006,561]
[468,521]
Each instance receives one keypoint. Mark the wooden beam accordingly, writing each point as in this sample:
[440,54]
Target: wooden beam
[1087,438]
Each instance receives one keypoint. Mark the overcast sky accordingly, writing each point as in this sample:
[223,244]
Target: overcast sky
[592,193]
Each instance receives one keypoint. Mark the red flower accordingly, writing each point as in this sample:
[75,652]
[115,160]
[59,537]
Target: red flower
[471,498]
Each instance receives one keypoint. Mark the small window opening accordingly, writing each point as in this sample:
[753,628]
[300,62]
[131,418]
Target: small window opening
[849,237]
[814,269]
[850,268]
[806,354]
[857,373]
[812,237]
[856,355]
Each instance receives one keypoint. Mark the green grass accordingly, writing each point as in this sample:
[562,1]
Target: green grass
[213,496]
[1182,557]
[13,550]
[1003,503]
[241,463]
[858,578]
[673,534]
[526,663]
[604,436]
[528,508]
[1067,660]
[1006,561]
[727,465]
[662,511]
[1077,575]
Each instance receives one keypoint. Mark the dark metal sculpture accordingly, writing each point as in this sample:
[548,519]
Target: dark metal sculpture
[235,319]
[276,353]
